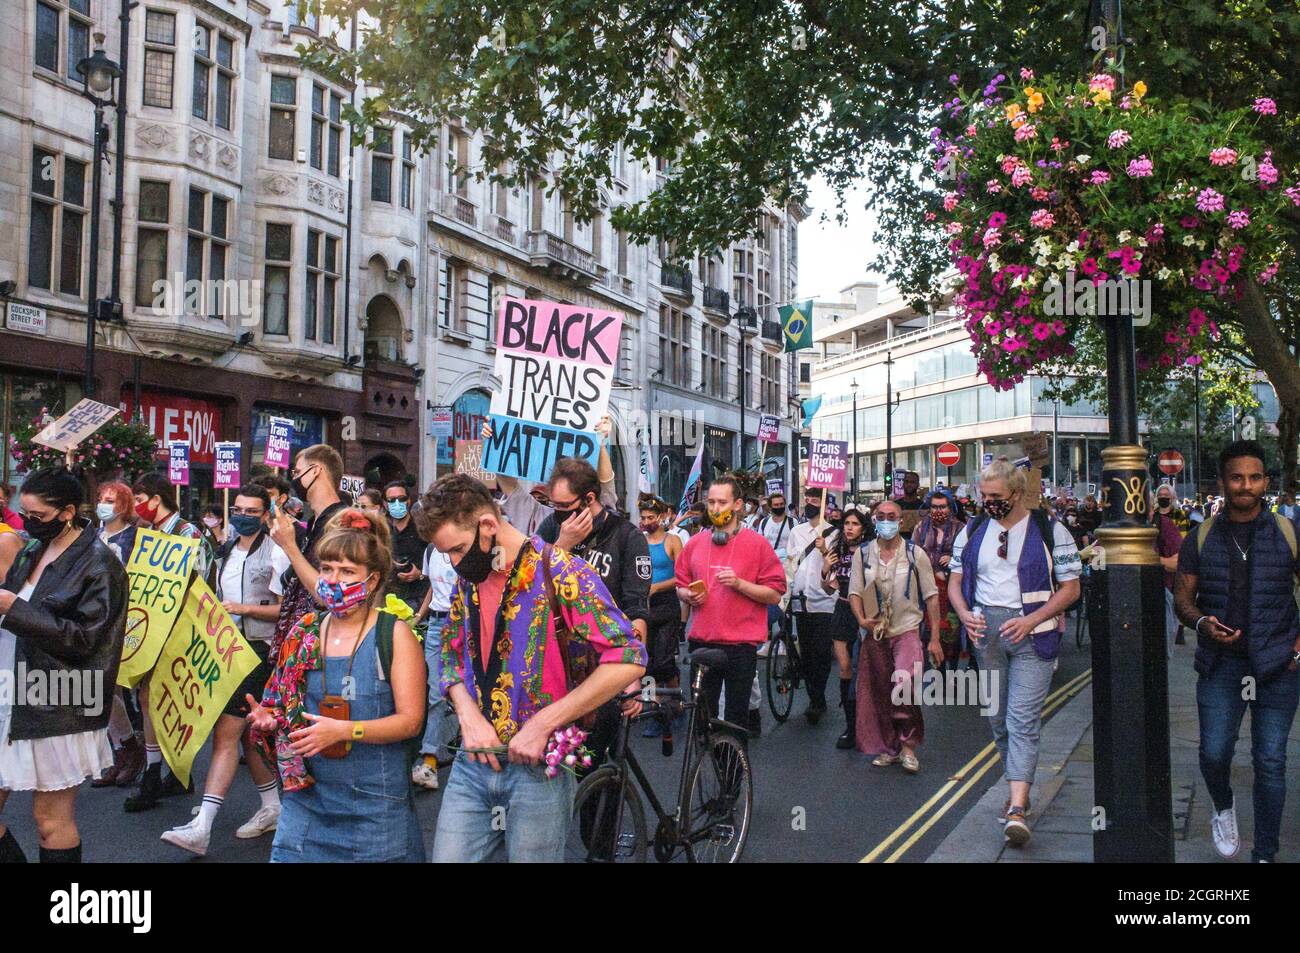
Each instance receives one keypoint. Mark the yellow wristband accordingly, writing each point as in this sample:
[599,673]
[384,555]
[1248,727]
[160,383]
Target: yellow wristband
[358,731]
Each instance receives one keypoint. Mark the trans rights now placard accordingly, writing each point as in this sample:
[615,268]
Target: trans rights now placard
[556,365]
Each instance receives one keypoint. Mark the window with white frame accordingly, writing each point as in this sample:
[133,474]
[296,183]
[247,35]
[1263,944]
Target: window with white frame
[321,292]
[326,129]
[674,346]
[58,217]
[154,216]
[451,297]
[159,57]
[713,365]
[214,76]
[206,248]
[281,141]
[62,35]
[275,286]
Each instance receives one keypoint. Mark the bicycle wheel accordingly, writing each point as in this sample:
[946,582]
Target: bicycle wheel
[592,838]
[721,800]
[780,677]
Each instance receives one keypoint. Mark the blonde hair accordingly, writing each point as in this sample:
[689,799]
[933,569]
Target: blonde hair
[327,457]
[357,537]
[1011,476]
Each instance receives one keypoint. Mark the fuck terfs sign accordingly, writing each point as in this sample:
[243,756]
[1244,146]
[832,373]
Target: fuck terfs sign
[556,365]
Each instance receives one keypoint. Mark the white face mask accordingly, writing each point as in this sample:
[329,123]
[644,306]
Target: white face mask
[105,511]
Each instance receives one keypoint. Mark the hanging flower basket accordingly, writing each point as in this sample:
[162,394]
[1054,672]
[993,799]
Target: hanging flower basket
[1063,200]
[119,448]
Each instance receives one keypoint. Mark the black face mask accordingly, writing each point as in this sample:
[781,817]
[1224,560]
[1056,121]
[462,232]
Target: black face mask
[810,510]
[300,489]
[44,531]
[476,565]
[778,511]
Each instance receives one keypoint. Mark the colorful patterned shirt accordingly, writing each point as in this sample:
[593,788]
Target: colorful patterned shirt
[529,671]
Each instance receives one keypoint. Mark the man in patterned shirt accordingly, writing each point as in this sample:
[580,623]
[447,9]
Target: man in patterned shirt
[505,673]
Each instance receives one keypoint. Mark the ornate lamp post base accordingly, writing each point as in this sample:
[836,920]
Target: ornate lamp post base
[1130,689]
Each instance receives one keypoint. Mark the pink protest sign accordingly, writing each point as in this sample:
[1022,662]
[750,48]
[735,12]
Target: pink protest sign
[828,464]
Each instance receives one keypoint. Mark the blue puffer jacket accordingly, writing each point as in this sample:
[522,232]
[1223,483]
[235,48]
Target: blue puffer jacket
[1273,622]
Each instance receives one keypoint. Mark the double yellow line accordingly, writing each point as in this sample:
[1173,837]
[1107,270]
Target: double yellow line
[980,765]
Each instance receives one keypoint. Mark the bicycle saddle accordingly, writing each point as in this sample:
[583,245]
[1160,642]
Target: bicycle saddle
[707,657]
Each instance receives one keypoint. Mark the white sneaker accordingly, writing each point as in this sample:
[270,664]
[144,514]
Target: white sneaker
[1227,839]
[193,837]
[424,776]
[763,649]
[263,822]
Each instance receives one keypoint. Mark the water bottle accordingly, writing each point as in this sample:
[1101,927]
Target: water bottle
[975,637]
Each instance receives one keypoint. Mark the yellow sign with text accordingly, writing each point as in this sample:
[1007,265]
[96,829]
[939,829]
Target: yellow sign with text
[158,570]
[202,664]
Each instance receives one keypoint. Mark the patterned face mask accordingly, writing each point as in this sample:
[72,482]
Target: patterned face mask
[340,598]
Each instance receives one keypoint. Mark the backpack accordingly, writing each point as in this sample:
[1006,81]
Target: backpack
[1284,525]
[910,548]
[384,646]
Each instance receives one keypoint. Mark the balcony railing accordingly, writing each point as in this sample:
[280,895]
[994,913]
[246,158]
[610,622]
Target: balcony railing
[772,331]
[555,254]
[715,299]
[678,279]
[457,207]
[501,228]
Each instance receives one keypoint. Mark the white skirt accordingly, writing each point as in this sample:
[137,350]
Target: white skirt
[52,764]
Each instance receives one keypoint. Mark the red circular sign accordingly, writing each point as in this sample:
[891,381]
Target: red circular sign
[948,454]
[1171,462]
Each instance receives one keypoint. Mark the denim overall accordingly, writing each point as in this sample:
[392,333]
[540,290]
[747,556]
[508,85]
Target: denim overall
[360,809]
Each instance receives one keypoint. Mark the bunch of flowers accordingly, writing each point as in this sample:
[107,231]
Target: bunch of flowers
[119,448]
[566,749]
[1053,184]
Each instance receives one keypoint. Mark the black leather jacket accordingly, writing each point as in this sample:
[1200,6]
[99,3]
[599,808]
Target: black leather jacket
[73,622]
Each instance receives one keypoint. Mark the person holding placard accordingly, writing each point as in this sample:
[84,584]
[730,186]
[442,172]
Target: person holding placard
[246,566]
[153,496]
[813,607]
[62,613]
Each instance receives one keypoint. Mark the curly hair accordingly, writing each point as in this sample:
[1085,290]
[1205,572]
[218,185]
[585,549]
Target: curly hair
[456,498]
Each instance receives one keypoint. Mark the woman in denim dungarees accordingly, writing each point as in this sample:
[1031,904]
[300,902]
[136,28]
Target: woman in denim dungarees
[358,807]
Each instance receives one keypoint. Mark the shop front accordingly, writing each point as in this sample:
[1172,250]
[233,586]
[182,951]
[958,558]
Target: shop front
[468,414]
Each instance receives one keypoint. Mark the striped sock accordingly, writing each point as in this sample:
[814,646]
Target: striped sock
[152,755]
[208,810]
[269,793]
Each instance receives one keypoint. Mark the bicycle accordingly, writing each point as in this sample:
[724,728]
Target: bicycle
[784,672]
[715,797]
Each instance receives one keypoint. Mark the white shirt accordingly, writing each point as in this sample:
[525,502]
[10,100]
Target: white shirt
[998,582]
[442,579]
[808,572]
[279,563]
[777,533]
[232,578]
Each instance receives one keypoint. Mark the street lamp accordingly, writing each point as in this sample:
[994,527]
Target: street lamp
[1130,700]
[745,319]
[99,77]
[853,454]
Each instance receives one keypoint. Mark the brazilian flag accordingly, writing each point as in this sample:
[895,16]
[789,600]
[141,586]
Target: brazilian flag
[796,325]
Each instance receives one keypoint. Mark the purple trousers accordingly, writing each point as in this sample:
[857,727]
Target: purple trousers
[883,727]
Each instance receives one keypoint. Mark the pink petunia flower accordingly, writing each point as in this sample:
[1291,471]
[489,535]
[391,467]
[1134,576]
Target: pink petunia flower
[1265,106]
[1021,176]
[1223,156]
[1099,177]
[1139,168]
[1239,218]
[1027,131]
[992,186]
[997,219]
[1209,200]
[950,201]
[1042,218]
[1101,81]
[1267,171]
[1026,73]
[1118,138]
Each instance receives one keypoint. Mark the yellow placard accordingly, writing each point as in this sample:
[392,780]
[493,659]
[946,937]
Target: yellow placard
[203,662]
[159,570]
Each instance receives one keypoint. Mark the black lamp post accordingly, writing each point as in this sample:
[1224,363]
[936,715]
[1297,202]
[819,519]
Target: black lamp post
[99,77]
[853,454]
[1130,697]
[745,320]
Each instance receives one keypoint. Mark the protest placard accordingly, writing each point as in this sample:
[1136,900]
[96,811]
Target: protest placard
[828,464]
[279,439]
[775,486]
[178,463]
[769,428]
[158,571]
[352,485]
[202,663]
[469,459]
[226,474]
[555,363]
[76,425]
[441,420]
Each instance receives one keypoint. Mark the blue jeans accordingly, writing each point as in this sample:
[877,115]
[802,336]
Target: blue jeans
[442,726]
[1220,706]
[518,808]
[1022,682]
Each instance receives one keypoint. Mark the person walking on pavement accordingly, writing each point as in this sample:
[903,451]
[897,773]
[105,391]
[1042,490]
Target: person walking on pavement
[62,613]
[1169,541]
[1286,505]
[408,581]
[1235,589]
[441,726]
[935,534]
[891,592]
[153,498]
[1013,574]
[813,606]
[729,577]
[520,606]
[854,534]
[245,568]
[664,622]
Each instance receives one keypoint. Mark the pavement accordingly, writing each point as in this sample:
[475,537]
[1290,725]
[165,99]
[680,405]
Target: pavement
[1062,796]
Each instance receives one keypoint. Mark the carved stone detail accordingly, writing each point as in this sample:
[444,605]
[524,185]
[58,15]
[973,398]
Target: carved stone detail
[278,184]
[153,135]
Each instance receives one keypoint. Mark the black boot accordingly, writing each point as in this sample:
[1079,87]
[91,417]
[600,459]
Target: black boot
[10,850]
[68,855]
[171,786]
[850,705]
[146,798]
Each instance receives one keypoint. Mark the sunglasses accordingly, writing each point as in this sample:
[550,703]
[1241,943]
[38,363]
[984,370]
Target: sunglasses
[1002,543]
